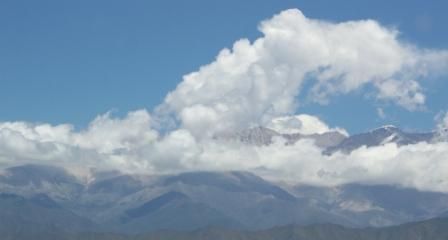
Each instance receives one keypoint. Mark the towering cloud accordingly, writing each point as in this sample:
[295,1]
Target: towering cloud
[252,83]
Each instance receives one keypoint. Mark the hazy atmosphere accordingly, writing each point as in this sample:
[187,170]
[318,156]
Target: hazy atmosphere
[304,95]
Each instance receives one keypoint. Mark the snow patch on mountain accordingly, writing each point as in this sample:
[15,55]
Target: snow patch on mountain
[359,206]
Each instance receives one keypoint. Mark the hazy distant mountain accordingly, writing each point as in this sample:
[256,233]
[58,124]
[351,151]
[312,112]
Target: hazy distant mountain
[34,179]
[231,199]
[38,213]
[334,141]
[249,199]
[256,136]
[172,210]
[378,205]
[234,200]
[260,136]
[37,199]
[380,136]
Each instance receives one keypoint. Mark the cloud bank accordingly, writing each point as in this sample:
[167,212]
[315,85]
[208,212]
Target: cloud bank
[130,145]
[258,83]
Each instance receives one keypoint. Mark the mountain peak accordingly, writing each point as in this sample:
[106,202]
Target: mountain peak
[261,136]
[380,136]
[390,128]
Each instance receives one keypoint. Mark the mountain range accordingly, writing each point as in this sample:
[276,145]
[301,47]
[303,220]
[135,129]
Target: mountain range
[49,201]
[335,141]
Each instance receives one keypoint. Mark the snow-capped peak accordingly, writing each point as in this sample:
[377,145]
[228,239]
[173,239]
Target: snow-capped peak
[387,128]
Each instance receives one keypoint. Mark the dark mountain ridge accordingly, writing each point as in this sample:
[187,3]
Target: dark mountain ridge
[434,229]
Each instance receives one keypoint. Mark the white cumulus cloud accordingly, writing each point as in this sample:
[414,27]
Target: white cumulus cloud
[303,124]
[254,82]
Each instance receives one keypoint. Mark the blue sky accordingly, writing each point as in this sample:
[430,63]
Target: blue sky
[68,61]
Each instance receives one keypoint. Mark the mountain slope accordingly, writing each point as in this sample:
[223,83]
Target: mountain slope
[172,210]
[38,214]
[380,136]
[249,199]
[378,205]
[226,199]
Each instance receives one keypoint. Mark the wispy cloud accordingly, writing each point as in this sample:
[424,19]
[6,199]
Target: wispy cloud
[380,112]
